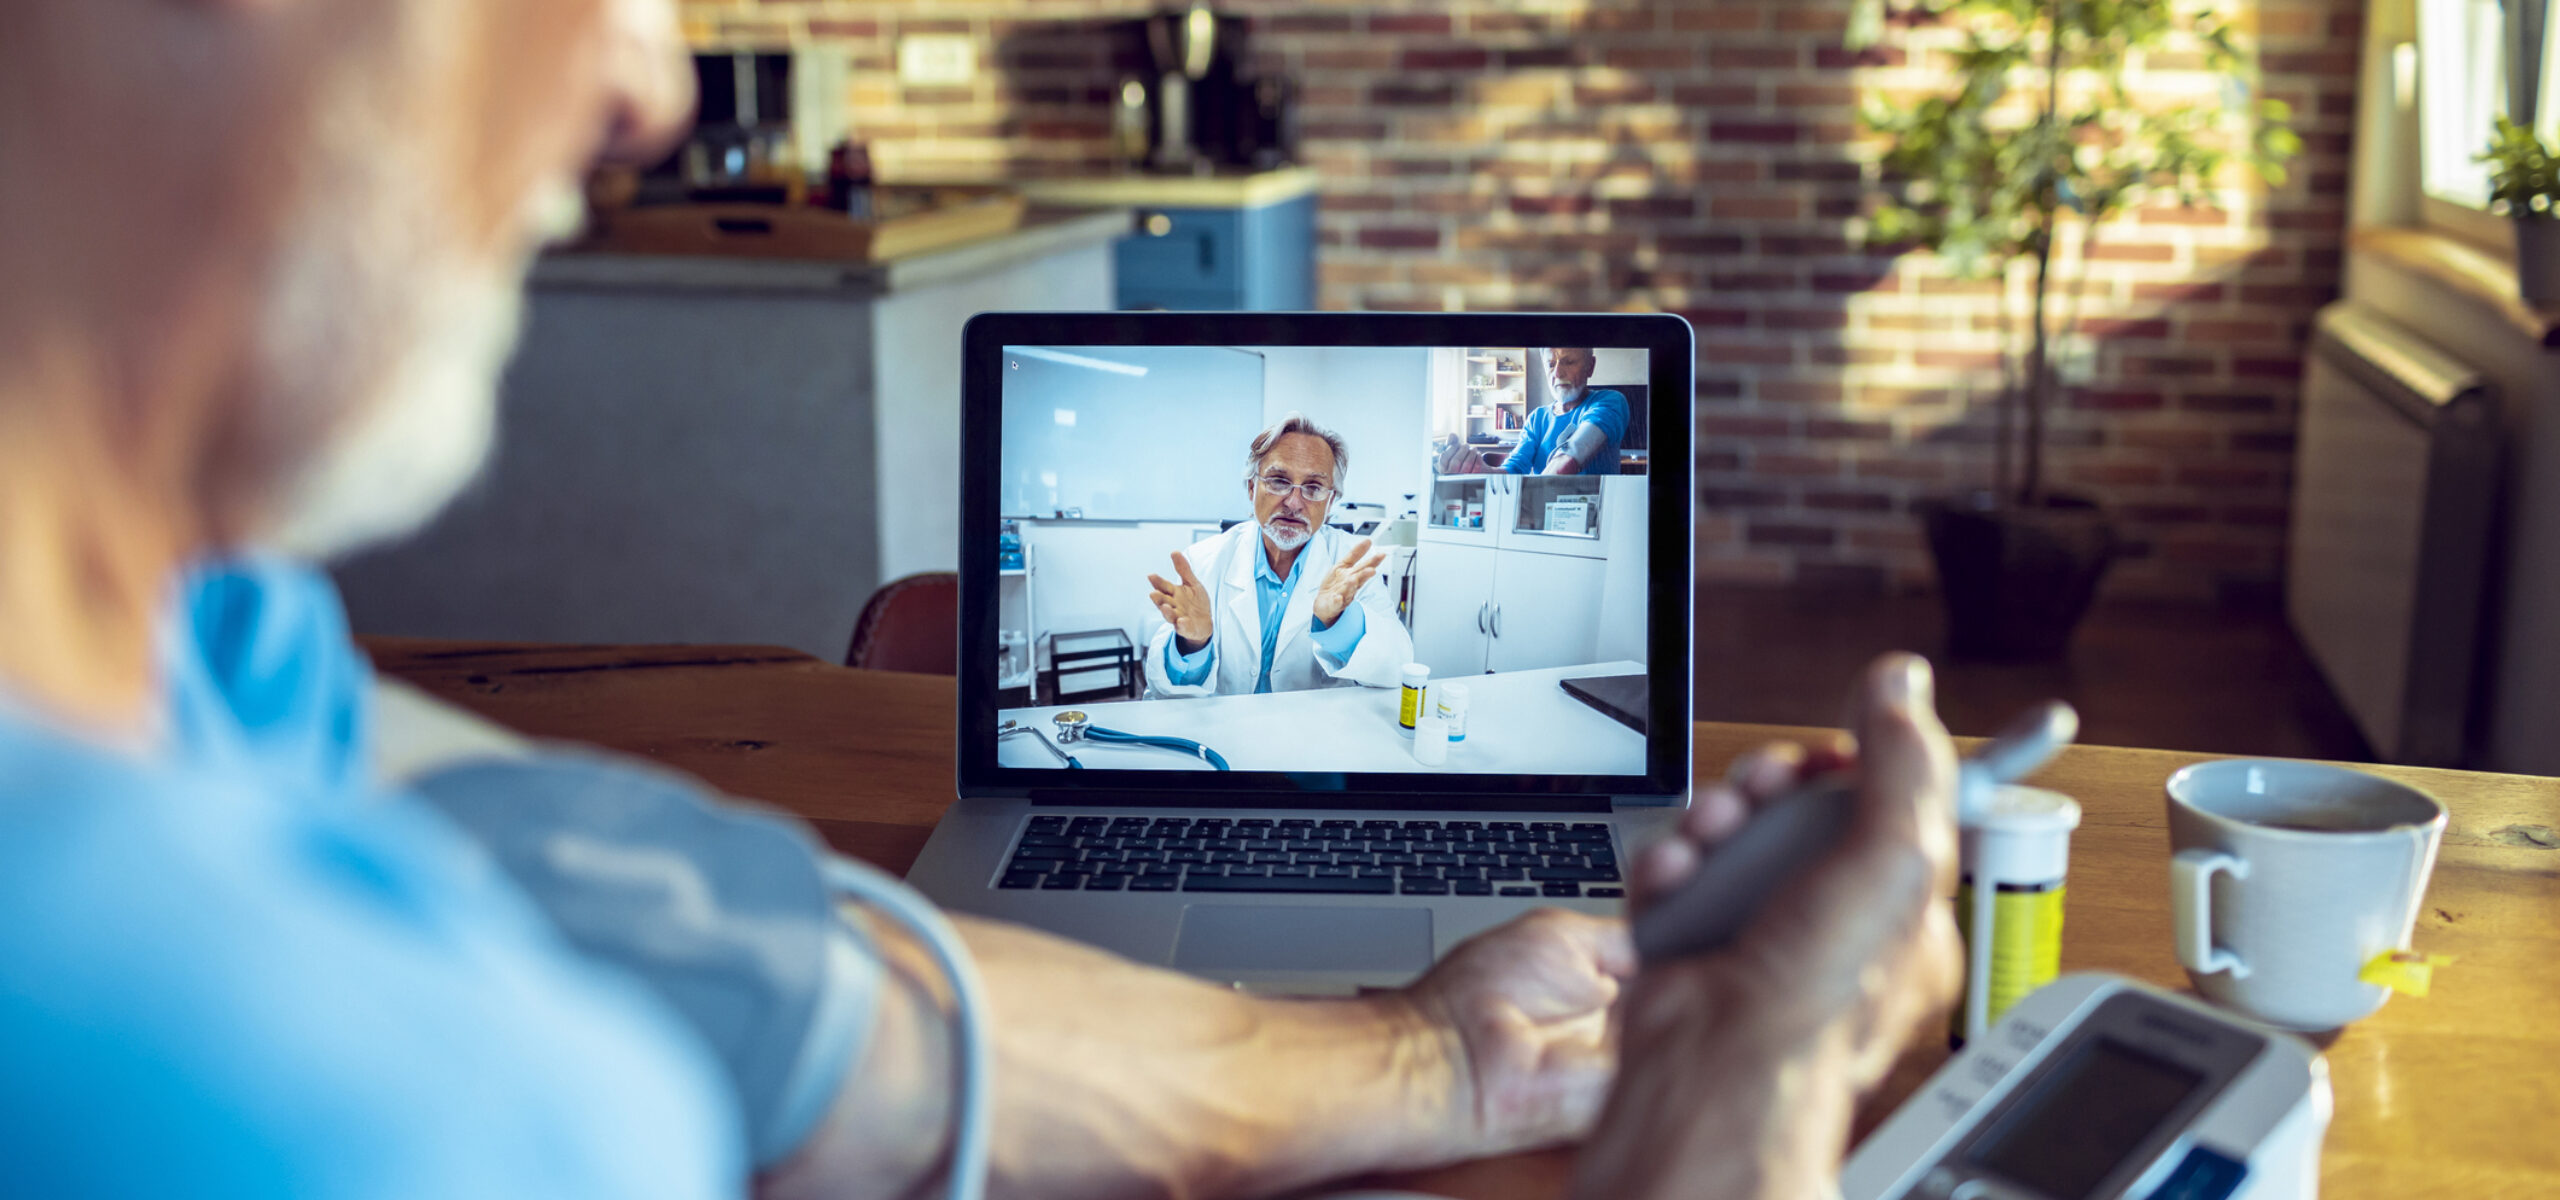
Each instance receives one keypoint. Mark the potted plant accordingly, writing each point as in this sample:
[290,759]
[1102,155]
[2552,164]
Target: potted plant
[2524,183]
[2040,139]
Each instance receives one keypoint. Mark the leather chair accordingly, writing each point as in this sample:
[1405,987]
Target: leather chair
[910,624]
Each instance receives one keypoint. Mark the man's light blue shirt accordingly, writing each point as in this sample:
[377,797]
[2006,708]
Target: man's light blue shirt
[1551,430]
[1335,641]
[233,965]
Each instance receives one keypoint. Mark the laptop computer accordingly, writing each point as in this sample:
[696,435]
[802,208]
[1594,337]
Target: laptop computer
[1214,764]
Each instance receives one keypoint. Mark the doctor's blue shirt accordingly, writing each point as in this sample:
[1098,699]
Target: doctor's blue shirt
[1271,593]
[1551,429]
[232,965]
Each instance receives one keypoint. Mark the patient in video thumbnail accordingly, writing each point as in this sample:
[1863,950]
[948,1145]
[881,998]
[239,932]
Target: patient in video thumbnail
[1323,559]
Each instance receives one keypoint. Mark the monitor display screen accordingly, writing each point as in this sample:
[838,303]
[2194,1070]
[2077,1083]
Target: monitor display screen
[1243,555]
[2085,1119]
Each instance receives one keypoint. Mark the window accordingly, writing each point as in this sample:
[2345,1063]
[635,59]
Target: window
[2462,85]
[2462,67]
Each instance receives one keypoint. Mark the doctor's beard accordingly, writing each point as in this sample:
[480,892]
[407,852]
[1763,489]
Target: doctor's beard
[1287,537]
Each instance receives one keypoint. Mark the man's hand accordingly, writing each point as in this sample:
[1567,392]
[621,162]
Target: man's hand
[1742,1068]
[1526,1009]
[1343,583]
[1185,606]
[1459,458]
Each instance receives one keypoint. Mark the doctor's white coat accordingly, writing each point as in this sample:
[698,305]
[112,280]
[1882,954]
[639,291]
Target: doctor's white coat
[1225,565]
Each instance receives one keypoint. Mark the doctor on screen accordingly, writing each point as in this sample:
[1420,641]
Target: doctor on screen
[1283,603]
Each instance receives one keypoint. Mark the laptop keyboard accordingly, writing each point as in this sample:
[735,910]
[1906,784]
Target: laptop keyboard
[1375,858]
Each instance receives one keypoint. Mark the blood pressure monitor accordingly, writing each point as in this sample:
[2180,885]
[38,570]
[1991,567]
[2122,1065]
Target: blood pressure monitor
[2099,1088]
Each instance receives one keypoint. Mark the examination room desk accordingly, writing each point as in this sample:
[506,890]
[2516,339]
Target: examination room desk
[2454,1095]
[1516,721]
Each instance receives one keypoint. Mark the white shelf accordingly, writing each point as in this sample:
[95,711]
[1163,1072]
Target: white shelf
[1011,572]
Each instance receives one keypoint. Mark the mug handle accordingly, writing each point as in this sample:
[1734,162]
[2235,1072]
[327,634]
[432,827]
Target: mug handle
[2191,910]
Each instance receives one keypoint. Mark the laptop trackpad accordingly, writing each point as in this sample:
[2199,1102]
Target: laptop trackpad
[1273,937]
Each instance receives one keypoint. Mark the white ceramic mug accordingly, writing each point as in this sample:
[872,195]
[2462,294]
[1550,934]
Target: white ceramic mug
[2287,877]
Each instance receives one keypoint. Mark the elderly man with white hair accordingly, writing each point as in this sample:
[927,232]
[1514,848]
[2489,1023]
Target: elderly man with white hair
[259,267]
[1283,602]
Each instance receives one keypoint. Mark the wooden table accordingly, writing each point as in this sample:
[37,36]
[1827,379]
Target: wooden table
[2454,1095]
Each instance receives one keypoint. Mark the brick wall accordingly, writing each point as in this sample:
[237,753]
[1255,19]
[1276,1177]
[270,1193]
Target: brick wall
[1702,156]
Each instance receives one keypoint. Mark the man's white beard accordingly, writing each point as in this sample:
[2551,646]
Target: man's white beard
[420,442]
[1569,395]
[1287,537]
[383,338]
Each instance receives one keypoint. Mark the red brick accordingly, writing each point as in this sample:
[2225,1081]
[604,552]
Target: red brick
[1840,58]
[1805,318]
[1965,360]
[2179,293]
[1808,19]
[1758,133]
[2124,328]
[1395,238]
[1409,23]
[1526,58]
[1715,244]
[1447,58]
[1553,205]
[1758,208]
[1827,393]
[1602,95]
[2176,215]
[2130,252]
[1654,208]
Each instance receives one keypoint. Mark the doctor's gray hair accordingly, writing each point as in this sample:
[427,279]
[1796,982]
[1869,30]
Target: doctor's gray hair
[1295,423]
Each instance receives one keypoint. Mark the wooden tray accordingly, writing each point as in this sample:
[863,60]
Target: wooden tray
[923,220]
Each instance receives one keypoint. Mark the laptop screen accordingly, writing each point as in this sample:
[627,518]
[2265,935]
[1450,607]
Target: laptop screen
[1321,563]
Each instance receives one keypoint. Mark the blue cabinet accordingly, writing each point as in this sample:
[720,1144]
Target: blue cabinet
[1260,258]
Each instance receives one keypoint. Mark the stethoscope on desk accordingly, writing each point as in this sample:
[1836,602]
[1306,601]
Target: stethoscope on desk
[1074,726]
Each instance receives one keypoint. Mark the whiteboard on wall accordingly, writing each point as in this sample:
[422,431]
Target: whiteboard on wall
[1128,433]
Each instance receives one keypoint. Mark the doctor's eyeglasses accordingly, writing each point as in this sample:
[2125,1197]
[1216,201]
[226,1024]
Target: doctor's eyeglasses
[1312,491]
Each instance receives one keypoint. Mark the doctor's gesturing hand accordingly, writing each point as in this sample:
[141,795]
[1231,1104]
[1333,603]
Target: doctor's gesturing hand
[1186,605]
[1343,583]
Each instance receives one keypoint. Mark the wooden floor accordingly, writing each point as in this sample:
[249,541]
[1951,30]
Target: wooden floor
[2163,677]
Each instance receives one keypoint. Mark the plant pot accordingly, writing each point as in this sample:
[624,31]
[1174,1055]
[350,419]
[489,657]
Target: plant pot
[2017,579]
[2538,261]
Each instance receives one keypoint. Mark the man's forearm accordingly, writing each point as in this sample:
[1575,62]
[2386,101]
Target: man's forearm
[1115,1079]
[1118,1080]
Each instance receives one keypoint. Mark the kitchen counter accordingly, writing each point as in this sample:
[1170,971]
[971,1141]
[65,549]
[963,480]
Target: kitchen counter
[1136,190]
[1044,231]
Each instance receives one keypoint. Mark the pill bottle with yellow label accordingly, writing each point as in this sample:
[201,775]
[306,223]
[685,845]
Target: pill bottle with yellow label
[1417,680]
[2016,855]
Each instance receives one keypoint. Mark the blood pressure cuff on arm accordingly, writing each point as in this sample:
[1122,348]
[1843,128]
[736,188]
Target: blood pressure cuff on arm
[720,909]
[1586,443]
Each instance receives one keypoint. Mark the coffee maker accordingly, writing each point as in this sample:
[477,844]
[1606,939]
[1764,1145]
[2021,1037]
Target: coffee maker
[1193,110]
